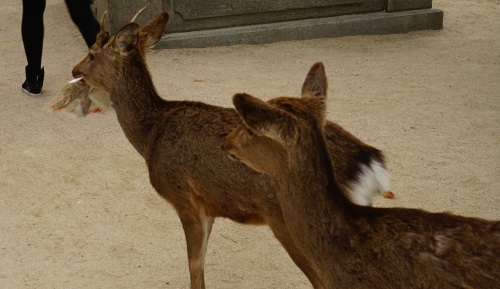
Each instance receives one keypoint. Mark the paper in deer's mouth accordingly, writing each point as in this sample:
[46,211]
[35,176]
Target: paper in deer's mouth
[75,80]
[77,99]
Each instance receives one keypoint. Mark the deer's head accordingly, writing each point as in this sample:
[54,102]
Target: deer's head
[270,129]
[110,57]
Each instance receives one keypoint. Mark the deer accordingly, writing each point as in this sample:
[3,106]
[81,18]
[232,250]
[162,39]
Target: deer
[348,245]
[180,142]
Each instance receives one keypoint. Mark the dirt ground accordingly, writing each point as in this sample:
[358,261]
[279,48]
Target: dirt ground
[76,206]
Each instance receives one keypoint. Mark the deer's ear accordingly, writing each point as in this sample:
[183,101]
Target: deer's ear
[314,91]
[102,38]
[263,118]
[152,32]
[315,84]
[127,38]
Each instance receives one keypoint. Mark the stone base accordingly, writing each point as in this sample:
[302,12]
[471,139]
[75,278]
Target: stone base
[361,24]
[403,5]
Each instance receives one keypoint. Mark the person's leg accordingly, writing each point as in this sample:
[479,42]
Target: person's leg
[32,34]
[82,15]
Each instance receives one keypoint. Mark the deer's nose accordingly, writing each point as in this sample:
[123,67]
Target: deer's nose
[76,73]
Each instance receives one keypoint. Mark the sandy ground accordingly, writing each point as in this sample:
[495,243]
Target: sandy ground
[76,207]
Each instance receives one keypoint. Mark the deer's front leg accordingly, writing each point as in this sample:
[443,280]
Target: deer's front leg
[197,228]
[278,226]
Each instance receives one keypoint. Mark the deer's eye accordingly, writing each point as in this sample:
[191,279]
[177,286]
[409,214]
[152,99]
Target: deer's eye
[91,56]
[249,132]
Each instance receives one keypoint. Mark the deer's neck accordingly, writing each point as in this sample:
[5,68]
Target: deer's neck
[138,106]
[312,204]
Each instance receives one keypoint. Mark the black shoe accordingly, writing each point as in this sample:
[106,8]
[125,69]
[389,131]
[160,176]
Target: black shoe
[32,86]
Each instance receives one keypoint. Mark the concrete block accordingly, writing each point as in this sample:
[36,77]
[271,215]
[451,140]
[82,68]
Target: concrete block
[365,24]
[403,5]
[193,15]
[200,23]
[121,12]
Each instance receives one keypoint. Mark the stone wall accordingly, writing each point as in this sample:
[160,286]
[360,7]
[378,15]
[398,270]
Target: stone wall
[199,23]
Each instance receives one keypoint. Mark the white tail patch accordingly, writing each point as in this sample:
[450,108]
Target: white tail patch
[371,180]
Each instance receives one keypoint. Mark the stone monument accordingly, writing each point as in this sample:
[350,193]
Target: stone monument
[197,23]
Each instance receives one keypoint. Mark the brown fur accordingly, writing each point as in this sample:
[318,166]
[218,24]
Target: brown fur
[180,142]
[351,246]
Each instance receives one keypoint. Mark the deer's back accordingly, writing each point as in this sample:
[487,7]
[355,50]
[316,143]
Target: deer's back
[185,159]
[347,153]
[186,163]
[408,248]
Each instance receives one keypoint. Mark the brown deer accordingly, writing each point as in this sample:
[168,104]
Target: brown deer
[352,246]
[180,142]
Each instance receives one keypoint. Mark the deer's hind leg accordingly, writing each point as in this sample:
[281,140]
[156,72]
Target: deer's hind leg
[197,227]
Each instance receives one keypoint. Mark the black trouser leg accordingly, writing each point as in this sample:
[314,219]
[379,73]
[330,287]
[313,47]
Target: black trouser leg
[32,32]
[83,17]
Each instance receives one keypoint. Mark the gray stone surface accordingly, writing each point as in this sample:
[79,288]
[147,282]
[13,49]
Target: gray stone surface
[373,23]
[199,23]
[193,15]
[120,12]
[403,5]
